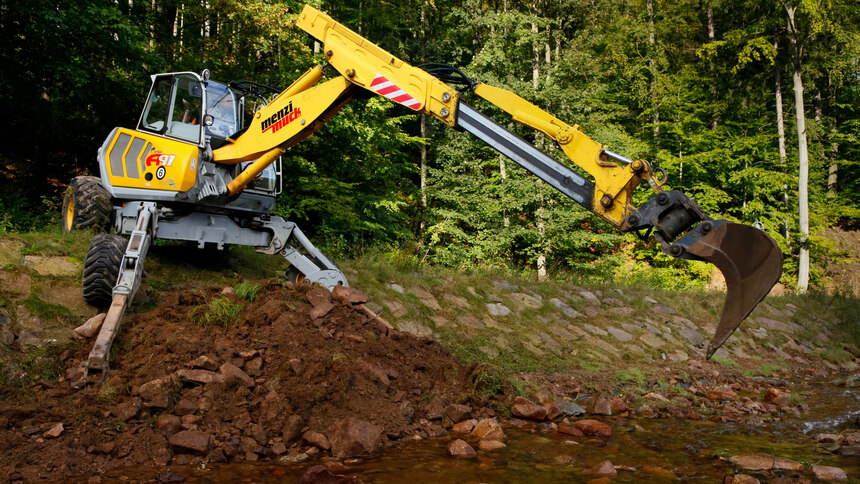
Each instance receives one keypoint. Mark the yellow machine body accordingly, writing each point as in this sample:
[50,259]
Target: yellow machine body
[142,160]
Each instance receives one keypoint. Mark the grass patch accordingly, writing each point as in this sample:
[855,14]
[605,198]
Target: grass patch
[221,311]
[247,290]
[725,361]
[487,382]
[630,375]
[837,356]
[338,357]
[45,310]
[107,394]
[43,363]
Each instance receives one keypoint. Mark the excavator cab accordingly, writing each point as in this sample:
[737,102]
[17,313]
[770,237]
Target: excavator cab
[174,108]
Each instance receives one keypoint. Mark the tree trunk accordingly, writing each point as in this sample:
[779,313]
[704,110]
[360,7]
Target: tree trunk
[802,154]
[780,130]
[712,36]
[652,66]
[423,127]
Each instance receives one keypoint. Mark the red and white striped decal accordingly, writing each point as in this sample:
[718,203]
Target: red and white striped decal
[386,88]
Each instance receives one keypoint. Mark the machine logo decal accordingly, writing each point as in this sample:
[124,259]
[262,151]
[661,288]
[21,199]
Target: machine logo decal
[159,159]
[386,88]
[281,118]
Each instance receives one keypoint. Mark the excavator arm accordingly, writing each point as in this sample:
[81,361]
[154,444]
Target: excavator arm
[749,259]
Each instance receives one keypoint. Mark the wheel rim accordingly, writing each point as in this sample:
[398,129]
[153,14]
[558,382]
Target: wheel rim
[70,213]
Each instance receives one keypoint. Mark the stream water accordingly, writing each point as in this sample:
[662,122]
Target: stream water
[660,450]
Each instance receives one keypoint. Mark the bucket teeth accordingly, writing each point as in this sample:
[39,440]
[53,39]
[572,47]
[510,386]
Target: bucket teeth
[751,262]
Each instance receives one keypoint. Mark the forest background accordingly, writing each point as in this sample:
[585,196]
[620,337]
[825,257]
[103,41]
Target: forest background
[707,89]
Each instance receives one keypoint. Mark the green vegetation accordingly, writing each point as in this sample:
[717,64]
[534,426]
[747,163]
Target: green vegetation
[220,311]
[37,306]
[837,355]
[702,107]
[247,290]
[630,375]
[726,361]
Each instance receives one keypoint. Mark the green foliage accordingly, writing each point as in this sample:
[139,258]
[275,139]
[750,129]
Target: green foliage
[487,382]
[46,310]
[220,311]
[630,375]
[247,290]
[701,108]
[725,361]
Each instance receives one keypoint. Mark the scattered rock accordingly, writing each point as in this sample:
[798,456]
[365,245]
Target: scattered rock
[321,310]
[55,431]
[741,479]
[318,439]
[292,428]
[598,405]
[664,309]
[458,413]
[318,296]
[526,300]
[777,397]
[90,328]
[527,409]
[593,427]
[169,424]
[353,437]
[459,448]
[761,461]
[570,408]
[498,309]
[618,404]
[488,429]
[233,373]
[193,441]
[651,339]
[464,427]
[491,444]
[52,266]
[565,427]
[620,334]
[127,410]
[151,390]
[321,475]
[200,376]
[205,363]
[720,394]
[828,473]
[604,469]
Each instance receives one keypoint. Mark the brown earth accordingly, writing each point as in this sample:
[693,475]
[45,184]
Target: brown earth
[307,375]
[301,373]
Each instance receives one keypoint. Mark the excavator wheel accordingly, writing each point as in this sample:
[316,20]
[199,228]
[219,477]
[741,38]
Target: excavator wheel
[101,268]
[294,275]
[86,204]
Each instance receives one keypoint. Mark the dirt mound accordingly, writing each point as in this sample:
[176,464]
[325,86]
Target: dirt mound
[287,372]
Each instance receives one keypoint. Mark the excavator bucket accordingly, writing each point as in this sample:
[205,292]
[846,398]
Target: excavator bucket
[751,262]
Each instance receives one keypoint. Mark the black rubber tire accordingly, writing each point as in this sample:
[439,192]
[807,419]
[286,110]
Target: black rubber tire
[101,268]
[86,205]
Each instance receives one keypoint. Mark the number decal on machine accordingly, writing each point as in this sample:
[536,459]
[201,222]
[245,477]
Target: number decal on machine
[160,159]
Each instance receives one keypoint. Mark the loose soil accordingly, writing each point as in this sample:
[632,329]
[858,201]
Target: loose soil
[323,370]
[306,373]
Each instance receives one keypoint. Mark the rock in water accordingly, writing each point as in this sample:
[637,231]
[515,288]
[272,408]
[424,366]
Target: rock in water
[353,437]
[321,475]
[459,448]
[828,473]
[604,469]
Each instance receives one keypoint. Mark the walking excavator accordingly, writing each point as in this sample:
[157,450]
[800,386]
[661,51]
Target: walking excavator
[203,165]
